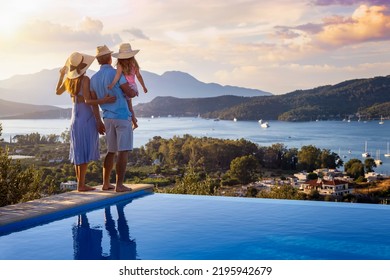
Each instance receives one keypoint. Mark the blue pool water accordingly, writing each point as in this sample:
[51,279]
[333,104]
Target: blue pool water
[184,227]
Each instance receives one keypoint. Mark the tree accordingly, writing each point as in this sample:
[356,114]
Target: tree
[309,158]
[52,138]
[354,168]
[244,169]
[282,192]
[330,159]
[65,135]
[312,176]
[17,184]
[273,156]
[193,184]
[369,164]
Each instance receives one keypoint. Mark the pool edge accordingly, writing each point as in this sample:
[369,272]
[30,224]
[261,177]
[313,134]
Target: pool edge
[24,215]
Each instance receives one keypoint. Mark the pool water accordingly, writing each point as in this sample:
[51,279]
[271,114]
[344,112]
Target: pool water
[185,227]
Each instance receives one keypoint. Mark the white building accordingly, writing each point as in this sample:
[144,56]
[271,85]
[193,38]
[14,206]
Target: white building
[70,185]
[327,187]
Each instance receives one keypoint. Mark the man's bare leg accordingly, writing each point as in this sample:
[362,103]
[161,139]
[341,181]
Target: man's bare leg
[121,163]
[107,168]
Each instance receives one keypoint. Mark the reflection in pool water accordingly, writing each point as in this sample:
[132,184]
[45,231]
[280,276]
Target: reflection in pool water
[87,241]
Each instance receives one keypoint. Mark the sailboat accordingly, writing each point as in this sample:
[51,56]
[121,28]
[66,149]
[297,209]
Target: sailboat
[366,154]
[388,152]
[381,121]
[378,160]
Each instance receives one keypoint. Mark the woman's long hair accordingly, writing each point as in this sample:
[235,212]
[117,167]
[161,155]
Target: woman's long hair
[73,85]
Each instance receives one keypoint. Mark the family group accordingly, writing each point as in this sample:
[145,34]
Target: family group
[112,90]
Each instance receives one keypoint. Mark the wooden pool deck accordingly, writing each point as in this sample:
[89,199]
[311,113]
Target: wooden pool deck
[65,202]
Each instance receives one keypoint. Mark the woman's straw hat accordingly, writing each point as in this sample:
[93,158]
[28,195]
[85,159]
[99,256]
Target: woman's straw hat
[125,51]
[77,64]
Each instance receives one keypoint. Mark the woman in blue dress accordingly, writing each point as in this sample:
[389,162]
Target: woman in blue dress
[86,123]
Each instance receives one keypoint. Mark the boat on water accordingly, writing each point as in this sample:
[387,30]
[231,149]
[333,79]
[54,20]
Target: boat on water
[366,154]
[388,152]
[378,159]
[381,121]
[263,124]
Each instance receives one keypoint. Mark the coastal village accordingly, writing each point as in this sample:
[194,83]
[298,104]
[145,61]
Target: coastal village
[330,182]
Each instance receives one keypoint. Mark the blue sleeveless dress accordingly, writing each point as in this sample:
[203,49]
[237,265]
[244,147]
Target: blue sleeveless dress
[84,137]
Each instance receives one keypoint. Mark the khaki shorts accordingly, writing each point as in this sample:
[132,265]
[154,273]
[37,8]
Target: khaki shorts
[119,135]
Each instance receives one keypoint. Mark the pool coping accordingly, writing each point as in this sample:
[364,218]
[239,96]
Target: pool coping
[22,215]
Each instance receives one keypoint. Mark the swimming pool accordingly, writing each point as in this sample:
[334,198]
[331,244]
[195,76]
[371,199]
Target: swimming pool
[185,227]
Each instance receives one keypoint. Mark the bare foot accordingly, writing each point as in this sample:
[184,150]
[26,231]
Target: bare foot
[110,187]
[123,189]
[85,189]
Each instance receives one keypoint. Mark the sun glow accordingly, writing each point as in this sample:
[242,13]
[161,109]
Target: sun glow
[9,25]
[14,13]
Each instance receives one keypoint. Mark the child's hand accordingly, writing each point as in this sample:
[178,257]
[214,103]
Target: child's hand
[145,90]
[110,86]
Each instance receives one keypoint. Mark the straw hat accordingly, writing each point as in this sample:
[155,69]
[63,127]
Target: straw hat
[102,50]
[77,64]
[125,51]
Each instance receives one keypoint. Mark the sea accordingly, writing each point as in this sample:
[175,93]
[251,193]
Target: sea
[349,139]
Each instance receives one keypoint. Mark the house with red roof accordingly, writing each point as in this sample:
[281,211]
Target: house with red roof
[328,186]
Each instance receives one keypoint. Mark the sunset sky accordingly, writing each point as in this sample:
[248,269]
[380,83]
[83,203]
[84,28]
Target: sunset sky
[276,46]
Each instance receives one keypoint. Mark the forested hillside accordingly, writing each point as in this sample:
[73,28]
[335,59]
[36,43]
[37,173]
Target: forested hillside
[365,98]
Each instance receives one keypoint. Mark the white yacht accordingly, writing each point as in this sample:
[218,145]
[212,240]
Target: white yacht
[366,154]
[263,124]
[388,152]
[378,159]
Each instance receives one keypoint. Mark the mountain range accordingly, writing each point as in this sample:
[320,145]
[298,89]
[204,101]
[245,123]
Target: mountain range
[358,98]
[180,94]
[39,88]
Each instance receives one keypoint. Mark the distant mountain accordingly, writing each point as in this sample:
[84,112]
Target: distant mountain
[164,106]
[367,98]
[9,109]
[364,98]
[182,85]
[39,88]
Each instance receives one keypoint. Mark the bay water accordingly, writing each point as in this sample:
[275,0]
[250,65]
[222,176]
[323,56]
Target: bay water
[348,139]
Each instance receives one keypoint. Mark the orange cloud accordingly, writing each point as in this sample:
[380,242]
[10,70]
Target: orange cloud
[366,24]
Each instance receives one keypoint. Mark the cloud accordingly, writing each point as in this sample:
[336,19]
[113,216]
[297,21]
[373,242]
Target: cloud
[46,36]
[366,24]
[137,33]
[349,2]
[90,25]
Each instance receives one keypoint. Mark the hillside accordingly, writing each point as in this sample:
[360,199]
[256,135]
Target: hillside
[10,109]
[39,88]
[364,98]
[187,107]
[367,98]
